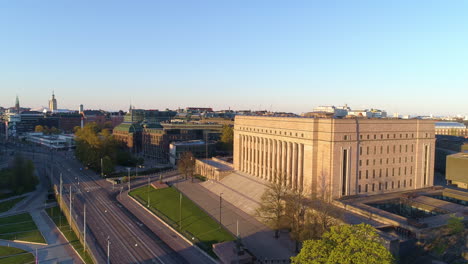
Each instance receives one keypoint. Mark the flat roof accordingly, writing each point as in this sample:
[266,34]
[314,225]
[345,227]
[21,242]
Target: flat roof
[218,165]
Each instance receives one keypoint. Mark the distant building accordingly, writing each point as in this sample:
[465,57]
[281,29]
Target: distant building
[457,168]
[199,109]
[199,149]
[53,103]
[335,111]
[451,129]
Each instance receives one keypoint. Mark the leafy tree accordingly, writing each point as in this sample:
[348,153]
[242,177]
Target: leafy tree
[449,242]
[92,144]
[186,164]
[227,137]
[39,129]
[346,244]
[108,165]
[19,178]
[272,206]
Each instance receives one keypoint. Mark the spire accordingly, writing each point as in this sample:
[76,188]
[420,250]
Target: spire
[17,105]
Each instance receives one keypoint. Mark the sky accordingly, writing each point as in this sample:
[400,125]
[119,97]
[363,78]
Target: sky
[409,57]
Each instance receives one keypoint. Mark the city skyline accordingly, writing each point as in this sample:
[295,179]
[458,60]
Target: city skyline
[401,57]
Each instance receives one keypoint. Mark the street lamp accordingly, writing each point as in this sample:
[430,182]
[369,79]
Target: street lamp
[148,191]
[108,250]
[220,200]
[128,169]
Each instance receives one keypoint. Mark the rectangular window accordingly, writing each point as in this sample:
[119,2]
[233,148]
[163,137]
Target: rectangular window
[366,188]
[345,172]
[410,182]
[367,174]
[359,174]
[380,186]
[373,186]
[359,188]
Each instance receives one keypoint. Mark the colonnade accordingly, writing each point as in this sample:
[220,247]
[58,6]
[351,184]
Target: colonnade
[273,160]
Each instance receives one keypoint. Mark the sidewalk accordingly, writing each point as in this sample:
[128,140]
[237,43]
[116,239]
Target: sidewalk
[258,238]
[58,249]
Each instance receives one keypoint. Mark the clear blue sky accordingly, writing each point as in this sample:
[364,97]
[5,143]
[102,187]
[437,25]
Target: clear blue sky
[402,56]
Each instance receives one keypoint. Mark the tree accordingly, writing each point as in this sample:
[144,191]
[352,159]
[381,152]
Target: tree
[107,165]
[186,164]
[227,137]
[346,244]
[39,129]
[272,206]
[296,206]
[325,214]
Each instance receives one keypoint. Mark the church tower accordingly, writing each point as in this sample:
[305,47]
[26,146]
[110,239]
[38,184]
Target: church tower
[53,103]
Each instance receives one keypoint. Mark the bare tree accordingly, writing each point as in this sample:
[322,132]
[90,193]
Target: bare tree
[296,207]
[325,214]
[272,206]
[186,164]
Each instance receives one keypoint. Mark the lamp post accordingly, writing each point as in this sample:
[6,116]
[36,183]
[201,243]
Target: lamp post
[108,250]
[148,191]
[84,228]
[128,169]
[220,201]
[180,211]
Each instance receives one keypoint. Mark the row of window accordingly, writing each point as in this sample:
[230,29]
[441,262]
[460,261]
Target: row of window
[382,136]
[379,173]
[373,187]
[374,151]
[275,132]
[374,161]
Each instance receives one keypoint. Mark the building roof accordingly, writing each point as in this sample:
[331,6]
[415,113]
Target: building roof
[128,127]
[218,165]
[449,125]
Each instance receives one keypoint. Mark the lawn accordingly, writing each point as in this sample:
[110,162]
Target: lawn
[20,227]
[7,205]
[61,222]
[196,224]
[11,255]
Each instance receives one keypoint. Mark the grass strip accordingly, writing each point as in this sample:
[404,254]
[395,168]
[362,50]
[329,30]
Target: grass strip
[11,255]
[197,225]
[20,227]
[7,205]
[61,222]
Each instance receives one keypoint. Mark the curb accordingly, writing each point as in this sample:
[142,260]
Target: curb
[173,230]
[28,242]
[60,231]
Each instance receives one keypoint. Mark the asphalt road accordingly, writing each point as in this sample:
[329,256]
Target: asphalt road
[106,219]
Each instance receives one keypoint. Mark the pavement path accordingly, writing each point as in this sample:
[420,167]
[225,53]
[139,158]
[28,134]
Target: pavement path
[57,250]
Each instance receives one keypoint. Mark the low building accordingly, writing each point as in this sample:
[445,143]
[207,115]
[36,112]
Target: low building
[199,149]
[451,129]
[457,168]
[51,141]
[214,168]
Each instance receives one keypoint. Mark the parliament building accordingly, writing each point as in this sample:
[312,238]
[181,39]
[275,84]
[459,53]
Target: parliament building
[343,157]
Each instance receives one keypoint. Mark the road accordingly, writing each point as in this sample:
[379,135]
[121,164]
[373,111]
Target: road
[106,219]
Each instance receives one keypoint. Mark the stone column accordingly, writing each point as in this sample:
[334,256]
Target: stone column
[268,171]
[284,157]
[264,163]
[256,156]
[278,160]
[300,167]
[249,155]
[288,164]
[294,167]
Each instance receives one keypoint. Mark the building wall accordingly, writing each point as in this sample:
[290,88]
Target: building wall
[335,155]
[457,169]
[459,132]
